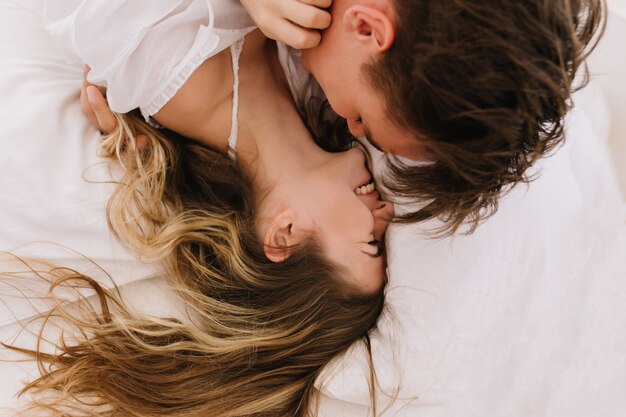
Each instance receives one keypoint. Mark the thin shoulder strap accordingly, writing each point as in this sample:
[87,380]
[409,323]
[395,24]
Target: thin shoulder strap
[235,52]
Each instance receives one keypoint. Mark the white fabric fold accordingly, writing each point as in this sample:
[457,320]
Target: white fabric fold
[143,51]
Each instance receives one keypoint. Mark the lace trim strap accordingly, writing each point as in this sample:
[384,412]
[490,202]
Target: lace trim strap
[235,53]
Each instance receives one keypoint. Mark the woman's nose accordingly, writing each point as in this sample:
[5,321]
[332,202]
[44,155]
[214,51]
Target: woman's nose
[347,163]
[383,214]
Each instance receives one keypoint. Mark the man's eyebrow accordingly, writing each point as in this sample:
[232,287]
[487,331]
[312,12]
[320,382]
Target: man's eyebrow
[371,140]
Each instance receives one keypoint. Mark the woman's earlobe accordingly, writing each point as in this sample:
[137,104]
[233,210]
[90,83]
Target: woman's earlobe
[279,237]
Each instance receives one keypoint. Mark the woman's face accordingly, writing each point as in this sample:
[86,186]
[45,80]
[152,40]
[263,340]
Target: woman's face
[332,200]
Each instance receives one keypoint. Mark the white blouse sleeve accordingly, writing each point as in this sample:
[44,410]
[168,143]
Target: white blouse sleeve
[143,51]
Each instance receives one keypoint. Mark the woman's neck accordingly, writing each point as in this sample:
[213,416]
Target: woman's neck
[272,139]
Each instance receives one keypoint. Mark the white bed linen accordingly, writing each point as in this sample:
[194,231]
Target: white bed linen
[48,153]
[525,317]
[46,148]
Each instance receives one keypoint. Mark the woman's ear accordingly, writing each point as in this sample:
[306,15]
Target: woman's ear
[280,236]
[373,26]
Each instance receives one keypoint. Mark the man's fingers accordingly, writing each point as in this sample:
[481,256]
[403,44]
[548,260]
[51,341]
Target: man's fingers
[295,36]
[106,121]
[307,16]
[322,4]
[304,38]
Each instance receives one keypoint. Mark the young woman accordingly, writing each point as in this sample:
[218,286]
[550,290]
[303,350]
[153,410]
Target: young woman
[273,242]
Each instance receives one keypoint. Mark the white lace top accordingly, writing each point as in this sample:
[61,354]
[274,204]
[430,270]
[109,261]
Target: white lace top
[143,51]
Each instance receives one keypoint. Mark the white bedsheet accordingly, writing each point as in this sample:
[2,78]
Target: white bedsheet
[526,317]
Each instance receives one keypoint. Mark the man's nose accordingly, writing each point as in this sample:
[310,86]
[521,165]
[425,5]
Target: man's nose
[356,128]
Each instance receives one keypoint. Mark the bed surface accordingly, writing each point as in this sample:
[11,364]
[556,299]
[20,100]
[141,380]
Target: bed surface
[527,316]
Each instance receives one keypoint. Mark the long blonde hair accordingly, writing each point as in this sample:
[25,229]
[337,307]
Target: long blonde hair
[261,331]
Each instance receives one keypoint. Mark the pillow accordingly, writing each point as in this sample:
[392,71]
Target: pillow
[524,317]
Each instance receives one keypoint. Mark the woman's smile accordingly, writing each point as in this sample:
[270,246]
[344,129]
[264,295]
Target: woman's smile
[367,188]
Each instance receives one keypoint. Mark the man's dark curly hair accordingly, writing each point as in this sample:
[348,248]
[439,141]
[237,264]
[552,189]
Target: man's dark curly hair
[484,84]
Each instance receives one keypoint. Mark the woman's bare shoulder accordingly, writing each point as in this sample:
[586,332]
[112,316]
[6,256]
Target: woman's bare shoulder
[197,108]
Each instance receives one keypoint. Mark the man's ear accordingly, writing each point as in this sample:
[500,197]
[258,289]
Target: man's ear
[280,236]
[372,25]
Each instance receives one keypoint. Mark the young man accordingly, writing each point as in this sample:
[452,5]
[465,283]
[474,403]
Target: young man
[475,91]
[479,88]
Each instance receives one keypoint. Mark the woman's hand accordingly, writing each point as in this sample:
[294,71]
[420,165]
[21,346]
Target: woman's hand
[294,22]
[95,107]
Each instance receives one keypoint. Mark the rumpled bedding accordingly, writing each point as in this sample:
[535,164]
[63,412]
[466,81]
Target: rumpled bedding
[525,317]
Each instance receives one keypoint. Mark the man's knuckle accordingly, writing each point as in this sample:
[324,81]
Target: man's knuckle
[322,4]
[308,40]
[304,41]
[325,20]
[312,19]
[315,39]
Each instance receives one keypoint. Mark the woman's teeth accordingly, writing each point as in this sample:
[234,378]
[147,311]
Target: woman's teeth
[365,189]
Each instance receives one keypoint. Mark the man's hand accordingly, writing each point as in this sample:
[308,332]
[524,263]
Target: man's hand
[294,22]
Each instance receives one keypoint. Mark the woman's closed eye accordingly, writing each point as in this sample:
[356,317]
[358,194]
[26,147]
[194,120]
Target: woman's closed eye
[377,250]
